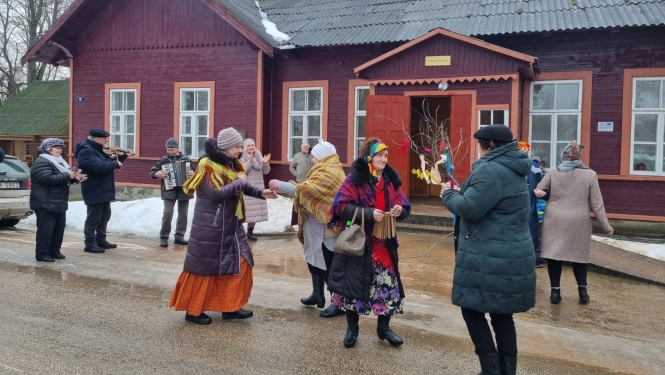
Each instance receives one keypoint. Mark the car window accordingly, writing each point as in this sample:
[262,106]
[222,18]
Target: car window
[11,166]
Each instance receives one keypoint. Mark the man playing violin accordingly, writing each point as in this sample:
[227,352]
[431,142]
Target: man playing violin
[99,189]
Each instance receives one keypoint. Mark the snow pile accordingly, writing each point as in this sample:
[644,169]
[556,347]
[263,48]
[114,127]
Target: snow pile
[270,26]
[143,217]
[652,250]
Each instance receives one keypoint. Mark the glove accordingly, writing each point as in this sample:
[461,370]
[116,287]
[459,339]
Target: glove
[274,184]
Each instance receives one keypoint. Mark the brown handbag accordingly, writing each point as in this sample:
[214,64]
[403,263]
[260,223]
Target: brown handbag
[351,242]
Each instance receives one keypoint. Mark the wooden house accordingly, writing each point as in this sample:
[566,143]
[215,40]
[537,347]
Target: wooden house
[287,72]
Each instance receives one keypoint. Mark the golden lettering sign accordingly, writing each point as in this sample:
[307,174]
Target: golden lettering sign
[437,60]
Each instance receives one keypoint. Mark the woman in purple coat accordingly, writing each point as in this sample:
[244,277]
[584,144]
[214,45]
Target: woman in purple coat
[217,275]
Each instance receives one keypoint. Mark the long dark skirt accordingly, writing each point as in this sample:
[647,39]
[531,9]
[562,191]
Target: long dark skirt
[384,295]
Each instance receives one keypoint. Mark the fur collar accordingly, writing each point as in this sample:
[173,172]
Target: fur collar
[210,146]
[360,174]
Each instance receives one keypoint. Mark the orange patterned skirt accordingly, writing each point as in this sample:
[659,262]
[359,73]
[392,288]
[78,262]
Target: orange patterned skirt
[196,294]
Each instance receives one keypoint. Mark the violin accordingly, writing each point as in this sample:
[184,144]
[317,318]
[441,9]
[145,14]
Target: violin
[117,151]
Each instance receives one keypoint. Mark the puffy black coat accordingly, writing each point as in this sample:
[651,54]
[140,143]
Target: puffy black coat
[100,168]
[494,264]
[50,187]
[352,276]
[175,193]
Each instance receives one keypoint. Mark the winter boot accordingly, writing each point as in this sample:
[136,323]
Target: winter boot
[331,312]
[317,298]
[180,241]
[385,333]
[93,249]
[201,319]
[250,235]
[240,314]
[489,364]
[584,296]
[163,242]
[352,329]
[508,365]
[107,245]
[555,298]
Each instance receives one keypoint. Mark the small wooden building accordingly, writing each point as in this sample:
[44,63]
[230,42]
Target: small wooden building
[40,111]
[293,72]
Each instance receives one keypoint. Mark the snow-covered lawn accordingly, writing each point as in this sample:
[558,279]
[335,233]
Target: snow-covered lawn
[652,250]
[143,217]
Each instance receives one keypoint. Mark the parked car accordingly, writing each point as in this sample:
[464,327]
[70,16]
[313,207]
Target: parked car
[14,191]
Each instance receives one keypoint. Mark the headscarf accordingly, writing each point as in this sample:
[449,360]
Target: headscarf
[373,151]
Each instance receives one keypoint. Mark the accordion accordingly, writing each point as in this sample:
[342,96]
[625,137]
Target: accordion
[176,173]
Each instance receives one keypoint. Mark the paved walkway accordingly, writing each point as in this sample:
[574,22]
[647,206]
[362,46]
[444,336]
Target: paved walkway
[615,261]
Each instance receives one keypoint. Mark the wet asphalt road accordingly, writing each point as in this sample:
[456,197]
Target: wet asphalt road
[55,327]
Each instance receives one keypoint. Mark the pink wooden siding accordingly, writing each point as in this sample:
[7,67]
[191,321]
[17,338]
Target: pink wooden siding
[465,60]
[233,68]
[138,24]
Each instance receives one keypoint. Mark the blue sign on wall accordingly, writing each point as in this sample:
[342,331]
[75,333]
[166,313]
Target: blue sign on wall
[80,99]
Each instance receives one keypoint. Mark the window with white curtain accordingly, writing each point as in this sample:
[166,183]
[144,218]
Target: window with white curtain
[194,120]
[556,118]
[123,119]
[647,155]
[305,118]
[360,118]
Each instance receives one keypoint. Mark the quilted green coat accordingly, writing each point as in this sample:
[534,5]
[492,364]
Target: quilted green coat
[494,264]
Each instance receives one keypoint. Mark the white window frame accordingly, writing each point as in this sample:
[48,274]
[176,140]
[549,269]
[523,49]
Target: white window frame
[356,113]
[660,132]
[193,116]
[505,116]
[555,113]
[122,116]
[304,114]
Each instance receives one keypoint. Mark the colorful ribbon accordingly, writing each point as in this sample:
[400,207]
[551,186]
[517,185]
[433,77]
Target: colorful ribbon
[373,151]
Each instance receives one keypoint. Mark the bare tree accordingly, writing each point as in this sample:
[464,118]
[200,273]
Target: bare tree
[22,23]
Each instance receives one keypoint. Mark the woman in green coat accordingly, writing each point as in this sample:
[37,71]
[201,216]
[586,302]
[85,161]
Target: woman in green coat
[494,270]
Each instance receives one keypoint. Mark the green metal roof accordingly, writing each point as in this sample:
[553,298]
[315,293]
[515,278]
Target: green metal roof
[41,109]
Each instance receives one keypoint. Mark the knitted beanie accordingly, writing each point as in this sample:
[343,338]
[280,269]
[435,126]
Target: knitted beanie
[50,142]
[171,143]
[228,138]
[323,149]
[248,141]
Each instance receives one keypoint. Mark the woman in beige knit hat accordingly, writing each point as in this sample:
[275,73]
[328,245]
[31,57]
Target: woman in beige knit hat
[574,192]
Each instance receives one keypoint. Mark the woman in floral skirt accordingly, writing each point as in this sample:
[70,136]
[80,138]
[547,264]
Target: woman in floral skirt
[369,284]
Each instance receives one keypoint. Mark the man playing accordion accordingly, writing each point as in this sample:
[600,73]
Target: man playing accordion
[173,169]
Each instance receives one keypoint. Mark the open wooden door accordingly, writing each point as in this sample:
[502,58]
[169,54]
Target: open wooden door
[389,119]
[461,136]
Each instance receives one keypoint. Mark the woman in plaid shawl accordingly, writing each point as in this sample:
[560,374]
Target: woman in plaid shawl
[313,203]
[369,284]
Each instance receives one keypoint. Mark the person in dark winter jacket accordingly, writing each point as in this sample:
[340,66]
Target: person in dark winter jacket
[51,177]
[494,264]
[534,177]
[99,190]
[170,197]
[369,284]
[217,274]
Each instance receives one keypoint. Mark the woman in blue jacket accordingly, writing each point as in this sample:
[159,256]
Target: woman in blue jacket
[494,264]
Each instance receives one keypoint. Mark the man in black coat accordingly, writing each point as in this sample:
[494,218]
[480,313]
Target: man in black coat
[99,190]
[171,196]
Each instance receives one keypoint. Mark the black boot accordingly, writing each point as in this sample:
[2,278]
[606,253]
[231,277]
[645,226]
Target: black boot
[555,298]
[163,242]
[584,296]
[508,365]
[201,319]
[489,364]
[385,333]
[107,245]
[317,298]
[250,235]
[331,312]
[240,314]
[352,329]
[180,241]
[93,249]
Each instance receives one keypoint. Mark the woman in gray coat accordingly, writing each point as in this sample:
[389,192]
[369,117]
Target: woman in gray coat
[494,263]
[256,166]
[574,192]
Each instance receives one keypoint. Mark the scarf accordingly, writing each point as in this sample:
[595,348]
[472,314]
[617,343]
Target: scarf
[220,175]
[59,162]
[375,149]
[569,165]
[315,195]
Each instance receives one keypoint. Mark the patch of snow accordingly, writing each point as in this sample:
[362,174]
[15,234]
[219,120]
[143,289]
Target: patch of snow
[270,27]
[143,217]
[652,250]
[287,46]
